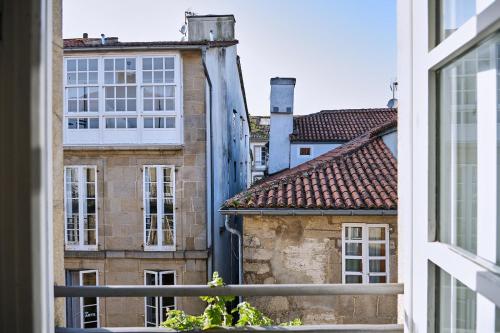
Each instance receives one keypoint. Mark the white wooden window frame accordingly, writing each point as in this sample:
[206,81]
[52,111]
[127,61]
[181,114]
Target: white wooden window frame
[160,212]
[134,136]
[418,61]
[365,255]
[158,300]
[81,199]
[82,319]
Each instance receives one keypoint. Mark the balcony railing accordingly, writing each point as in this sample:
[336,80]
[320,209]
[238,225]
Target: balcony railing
[238,290]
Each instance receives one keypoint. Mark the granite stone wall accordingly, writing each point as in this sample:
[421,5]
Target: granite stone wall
[308,249]
[120,258]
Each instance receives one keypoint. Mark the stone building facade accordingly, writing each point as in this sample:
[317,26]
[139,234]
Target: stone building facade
[308,249]
[330,220]
[144,125]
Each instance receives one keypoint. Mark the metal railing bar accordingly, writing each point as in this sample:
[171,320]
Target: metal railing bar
[344,328]
[233,290]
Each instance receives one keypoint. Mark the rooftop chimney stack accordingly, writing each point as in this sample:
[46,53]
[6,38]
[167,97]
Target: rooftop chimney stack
[282,95]
[85,35]
[210,28]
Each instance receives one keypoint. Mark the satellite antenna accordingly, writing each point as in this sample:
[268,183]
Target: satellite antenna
[393,102]
[184,28]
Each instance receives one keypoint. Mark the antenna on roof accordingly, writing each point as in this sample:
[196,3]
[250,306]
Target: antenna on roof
[184,28]
[393,102]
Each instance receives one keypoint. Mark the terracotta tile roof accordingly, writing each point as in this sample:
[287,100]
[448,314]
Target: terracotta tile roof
[338,125]
[112,42]
[258,131]
[361,174]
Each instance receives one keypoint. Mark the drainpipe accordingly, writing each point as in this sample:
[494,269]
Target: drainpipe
[240,247]
[210,173]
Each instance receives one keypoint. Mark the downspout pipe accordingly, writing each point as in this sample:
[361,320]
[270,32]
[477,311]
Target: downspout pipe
[210,173]
[240,247]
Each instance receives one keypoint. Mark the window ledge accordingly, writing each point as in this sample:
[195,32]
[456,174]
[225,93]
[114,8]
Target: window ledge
[117,147]
[192,254]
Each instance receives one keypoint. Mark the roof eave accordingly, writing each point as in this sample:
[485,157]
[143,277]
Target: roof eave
[310,212]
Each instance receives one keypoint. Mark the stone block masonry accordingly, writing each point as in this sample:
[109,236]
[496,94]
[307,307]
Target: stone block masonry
[308,249]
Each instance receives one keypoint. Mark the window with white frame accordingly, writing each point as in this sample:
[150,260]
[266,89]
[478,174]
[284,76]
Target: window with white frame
[82,312]
[122,100]
[260,154]
[156,308]
[449,210]
[80,196]
[159,203]
[365,253]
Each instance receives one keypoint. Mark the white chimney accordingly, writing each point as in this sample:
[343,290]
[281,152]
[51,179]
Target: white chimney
[210,27]
[282,92]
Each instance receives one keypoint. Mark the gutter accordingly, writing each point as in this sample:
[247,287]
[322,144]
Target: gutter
[210,171]
[311,212]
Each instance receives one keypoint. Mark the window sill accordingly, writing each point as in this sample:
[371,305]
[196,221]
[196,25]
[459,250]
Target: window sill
[117,147]
[137,254]
[91,248]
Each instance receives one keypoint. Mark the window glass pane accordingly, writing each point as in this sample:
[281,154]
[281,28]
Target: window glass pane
[354,233]
[94,123]
[378,279]
[110,122]
[377,266]
[71,65]
[376,233]
[93,64]
[148,122]
[132,122]
[353,279]
[453,14]
[109,65]
[457,147]
[121,122]
[353,265]
[169,63]
[170,122]
[353,249]
[455,305]
[72,123]
[376,250]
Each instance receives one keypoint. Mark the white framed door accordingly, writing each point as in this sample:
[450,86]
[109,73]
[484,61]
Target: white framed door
[89,306]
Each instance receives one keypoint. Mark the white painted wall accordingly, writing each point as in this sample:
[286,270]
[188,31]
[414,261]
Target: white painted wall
[317,149]
[231,151]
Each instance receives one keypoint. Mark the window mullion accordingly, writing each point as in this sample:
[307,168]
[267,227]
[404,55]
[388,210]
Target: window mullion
[80,206]
[159,203]
[365,261]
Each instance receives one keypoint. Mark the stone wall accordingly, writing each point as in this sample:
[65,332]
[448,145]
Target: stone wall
[57,158]
[129,312]
[120,258]
[308,249]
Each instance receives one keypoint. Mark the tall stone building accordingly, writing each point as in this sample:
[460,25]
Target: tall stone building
[155,134]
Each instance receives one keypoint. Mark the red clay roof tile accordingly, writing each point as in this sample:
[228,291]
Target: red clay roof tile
[361,174]
[338,125]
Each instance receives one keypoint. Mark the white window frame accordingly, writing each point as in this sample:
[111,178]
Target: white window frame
[311,150]
[159,195]
[81,199]
[81,273]
[133,136]
[365,257]
[158,300]
[418,61]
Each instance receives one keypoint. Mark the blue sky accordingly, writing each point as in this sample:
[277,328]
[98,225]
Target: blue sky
[342,52]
